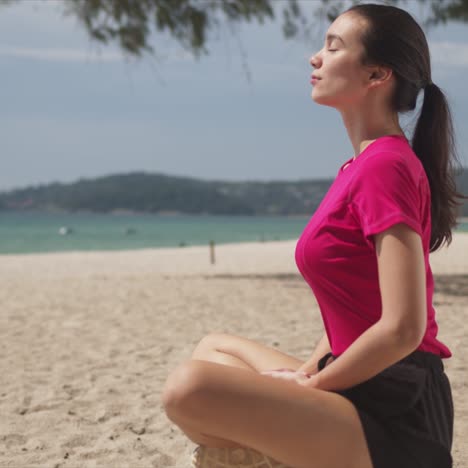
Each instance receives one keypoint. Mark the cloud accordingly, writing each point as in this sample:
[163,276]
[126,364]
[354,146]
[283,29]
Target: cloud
[451,54]
[59,54]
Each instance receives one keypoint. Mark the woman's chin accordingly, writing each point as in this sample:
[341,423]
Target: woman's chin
[322,100]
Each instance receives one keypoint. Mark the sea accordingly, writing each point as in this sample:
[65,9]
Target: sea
[33,232]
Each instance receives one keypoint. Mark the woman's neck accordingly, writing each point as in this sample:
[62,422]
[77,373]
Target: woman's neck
[365,126]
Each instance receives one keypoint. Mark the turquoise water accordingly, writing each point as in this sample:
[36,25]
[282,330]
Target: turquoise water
[39,232]
[24,232]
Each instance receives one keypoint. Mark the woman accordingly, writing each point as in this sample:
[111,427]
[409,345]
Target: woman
[374,393]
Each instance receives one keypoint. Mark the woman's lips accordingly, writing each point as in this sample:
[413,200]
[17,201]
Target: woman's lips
[314,80]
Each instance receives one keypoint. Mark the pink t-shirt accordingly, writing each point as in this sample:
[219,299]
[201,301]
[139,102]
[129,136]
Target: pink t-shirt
[385,185]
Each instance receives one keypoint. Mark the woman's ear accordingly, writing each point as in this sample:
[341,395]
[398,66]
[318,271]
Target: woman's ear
[379,76]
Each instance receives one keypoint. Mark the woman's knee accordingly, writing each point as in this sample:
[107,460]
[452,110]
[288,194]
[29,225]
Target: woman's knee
[214,339]
[209,343]
[179,388]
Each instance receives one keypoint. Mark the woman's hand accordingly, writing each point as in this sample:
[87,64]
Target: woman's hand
[302,378]
[286,374]
[308,380]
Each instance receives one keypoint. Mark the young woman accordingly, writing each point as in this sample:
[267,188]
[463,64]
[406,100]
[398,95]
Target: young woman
[374,393]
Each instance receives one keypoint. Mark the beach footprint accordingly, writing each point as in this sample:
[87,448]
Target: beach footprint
[162,459]
[11,440]
[79,440]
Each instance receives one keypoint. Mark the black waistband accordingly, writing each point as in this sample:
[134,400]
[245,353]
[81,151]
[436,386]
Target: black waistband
[417,357]
[425,359]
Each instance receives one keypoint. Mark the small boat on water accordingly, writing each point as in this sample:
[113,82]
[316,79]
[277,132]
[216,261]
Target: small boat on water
[65,231]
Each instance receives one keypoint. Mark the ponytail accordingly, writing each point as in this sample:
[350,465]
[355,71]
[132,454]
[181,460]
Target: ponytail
[434,144]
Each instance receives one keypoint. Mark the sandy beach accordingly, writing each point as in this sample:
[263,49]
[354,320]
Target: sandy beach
[88,339]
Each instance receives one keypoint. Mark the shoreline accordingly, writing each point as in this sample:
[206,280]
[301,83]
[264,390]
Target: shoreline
[175,249]
[267,257]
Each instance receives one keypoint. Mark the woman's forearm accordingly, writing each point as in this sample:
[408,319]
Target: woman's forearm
[373,351]
[322,348]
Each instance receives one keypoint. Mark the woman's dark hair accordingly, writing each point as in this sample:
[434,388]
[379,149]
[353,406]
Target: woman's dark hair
[392,38]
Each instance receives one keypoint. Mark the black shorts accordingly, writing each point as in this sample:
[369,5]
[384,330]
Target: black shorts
[406,412]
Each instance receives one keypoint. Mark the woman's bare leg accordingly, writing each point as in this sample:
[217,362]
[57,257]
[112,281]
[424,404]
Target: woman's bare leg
[299,426]
[242,352]
[238,352]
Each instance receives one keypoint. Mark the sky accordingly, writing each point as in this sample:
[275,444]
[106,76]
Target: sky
[71,108]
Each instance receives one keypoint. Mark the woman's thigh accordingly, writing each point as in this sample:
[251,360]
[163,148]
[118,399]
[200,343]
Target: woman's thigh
[299,426]
[257,356]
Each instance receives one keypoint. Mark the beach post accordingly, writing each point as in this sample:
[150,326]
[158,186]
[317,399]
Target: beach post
[212,252]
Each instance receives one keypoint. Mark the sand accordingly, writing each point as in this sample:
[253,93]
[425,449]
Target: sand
[88,339]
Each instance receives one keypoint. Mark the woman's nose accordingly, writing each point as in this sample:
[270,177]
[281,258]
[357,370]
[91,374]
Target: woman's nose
[314,60]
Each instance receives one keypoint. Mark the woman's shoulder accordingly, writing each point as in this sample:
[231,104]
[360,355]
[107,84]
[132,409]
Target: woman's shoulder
[393,157]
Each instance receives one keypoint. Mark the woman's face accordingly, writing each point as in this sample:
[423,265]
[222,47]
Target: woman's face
[341,76]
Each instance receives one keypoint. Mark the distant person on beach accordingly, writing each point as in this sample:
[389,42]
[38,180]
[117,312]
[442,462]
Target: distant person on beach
[374,393]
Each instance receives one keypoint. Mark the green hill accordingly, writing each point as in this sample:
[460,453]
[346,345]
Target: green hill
[156,193]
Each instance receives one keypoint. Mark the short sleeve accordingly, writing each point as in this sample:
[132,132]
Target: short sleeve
[386,191]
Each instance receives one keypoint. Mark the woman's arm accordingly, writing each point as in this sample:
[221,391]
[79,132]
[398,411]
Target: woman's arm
[376,349]
[322,348]
[402,281]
